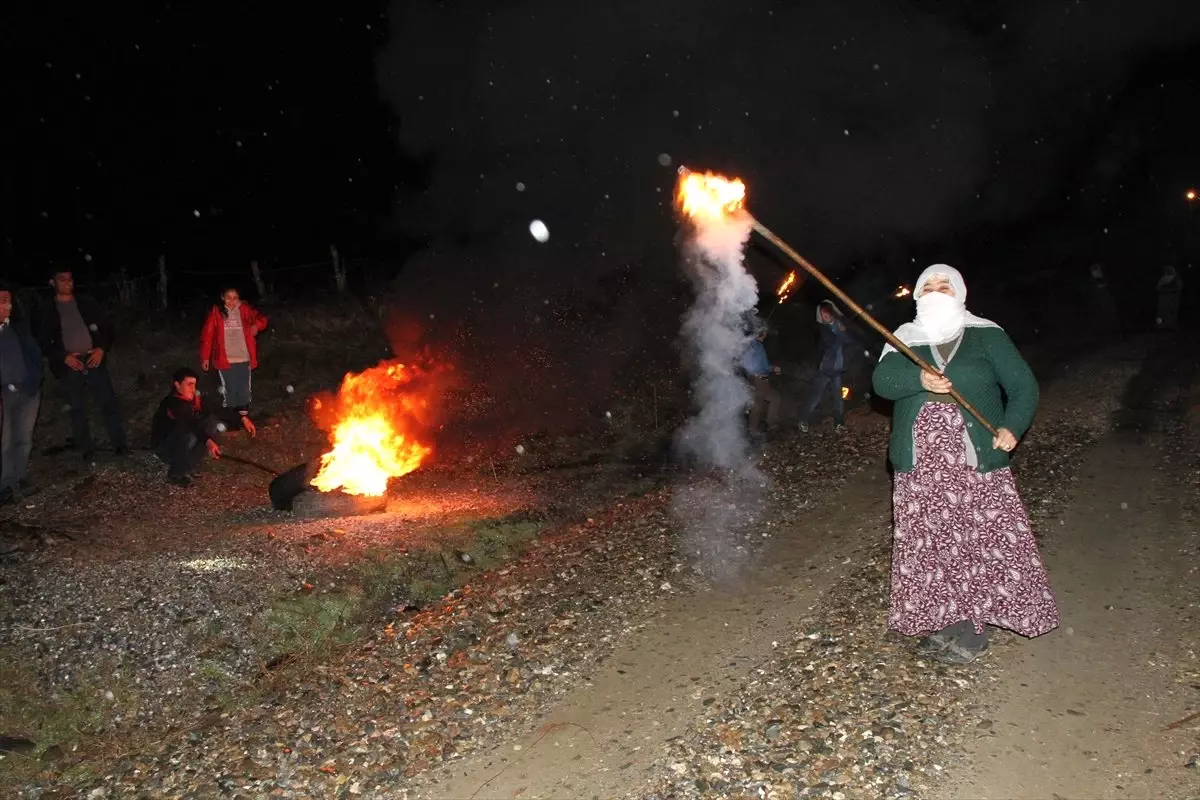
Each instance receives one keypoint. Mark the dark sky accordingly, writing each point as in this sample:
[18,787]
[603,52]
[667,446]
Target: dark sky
[863,128]
[869,131]
[213,132]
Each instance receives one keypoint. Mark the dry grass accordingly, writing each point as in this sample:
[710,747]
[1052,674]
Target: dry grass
[58,722]
[383,583]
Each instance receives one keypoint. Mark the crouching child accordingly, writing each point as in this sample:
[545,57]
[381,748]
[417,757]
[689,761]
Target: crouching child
[182,433]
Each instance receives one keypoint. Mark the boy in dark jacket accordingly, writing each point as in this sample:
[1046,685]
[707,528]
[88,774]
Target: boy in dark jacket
[181,432]
[76,335]
[20,395]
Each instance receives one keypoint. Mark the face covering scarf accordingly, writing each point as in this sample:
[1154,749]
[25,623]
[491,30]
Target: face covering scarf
[941,315]
[940,318]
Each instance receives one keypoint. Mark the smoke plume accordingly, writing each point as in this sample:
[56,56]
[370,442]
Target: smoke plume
[714,507]
[714,336]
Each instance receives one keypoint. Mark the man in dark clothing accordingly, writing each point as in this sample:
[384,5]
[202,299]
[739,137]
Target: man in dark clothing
[1104,317]
[1170,290]
[179,433]
[20,395]
[834,353]
[76,336]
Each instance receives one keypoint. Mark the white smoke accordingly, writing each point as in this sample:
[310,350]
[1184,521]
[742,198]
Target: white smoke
[715,336]
[714,509]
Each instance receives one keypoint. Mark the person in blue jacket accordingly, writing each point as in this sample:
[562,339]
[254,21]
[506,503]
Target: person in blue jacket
[20,395]
[759,370]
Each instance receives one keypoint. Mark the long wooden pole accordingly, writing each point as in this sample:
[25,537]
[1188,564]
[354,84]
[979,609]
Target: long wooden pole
[766,233]
[249,463]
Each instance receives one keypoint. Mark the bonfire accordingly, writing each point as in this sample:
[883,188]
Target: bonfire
[374,424]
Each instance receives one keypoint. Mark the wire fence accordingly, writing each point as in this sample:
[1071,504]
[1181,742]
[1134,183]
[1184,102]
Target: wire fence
[164,287]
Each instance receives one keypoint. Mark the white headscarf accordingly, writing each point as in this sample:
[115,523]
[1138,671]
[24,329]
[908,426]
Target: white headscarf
[940,317]
[833,309]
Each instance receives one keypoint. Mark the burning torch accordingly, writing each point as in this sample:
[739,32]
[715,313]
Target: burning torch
[712,196]
[784,291]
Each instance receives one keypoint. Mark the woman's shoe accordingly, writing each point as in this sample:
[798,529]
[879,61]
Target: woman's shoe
[955,653]
[932,644]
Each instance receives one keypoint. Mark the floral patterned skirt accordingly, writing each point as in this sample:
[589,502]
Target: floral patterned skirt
[962,544]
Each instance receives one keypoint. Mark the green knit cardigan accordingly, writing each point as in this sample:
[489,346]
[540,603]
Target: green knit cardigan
[986,361]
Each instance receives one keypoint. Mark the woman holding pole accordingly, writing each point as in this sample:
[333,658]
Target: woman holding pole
[963,552]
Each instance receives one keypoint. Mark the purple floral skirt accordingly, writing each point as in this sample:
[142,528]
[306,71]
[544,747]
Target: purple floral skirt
[962,544]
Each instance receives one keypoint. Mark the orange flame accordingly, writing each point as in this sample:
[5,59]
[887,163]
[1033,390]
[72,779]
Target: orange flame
[903,291]
[372,424]
[709,198]
[845,392]
[785,289]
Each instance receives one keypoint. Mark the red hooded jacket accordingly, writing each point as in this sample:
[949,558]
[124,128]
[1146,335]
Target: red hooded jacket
[212,335]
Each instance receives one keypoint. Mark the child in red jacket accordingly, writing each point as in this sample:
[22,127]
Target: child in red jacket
[229,342]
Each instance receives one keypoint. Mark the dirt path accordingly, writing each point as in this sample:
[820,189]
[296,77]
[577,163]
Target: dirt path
[1082,712]
[601,738]
[1078,713]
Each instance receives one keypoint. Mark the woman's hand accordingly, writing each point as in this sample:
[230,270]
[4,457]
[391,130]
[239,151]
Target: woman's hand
[1004,440]
[938,384]
[204,366]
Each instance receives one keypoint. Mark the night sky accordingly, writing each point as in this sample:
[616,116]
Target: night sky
[211,132]
[874,135]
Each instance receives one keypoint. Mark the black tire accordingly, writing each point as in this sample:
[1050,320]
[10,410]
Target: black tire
[291,484]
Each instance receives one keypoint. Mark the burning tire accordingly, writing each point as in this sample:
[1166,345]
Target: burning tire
[320,505]
[293,491]
[291,484]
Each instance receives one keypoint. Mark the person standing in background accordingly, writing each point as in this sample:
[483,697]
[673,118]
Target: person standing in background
[759,370]
[20,395]
[1170,291]
[834,356]
[76,336]
[229,342]
[1105,320]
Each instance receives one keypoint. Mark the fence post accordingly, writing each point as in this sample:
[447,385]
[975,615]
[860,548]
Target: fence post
[339,269]
[258,281]
[162,280]
[125,294]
